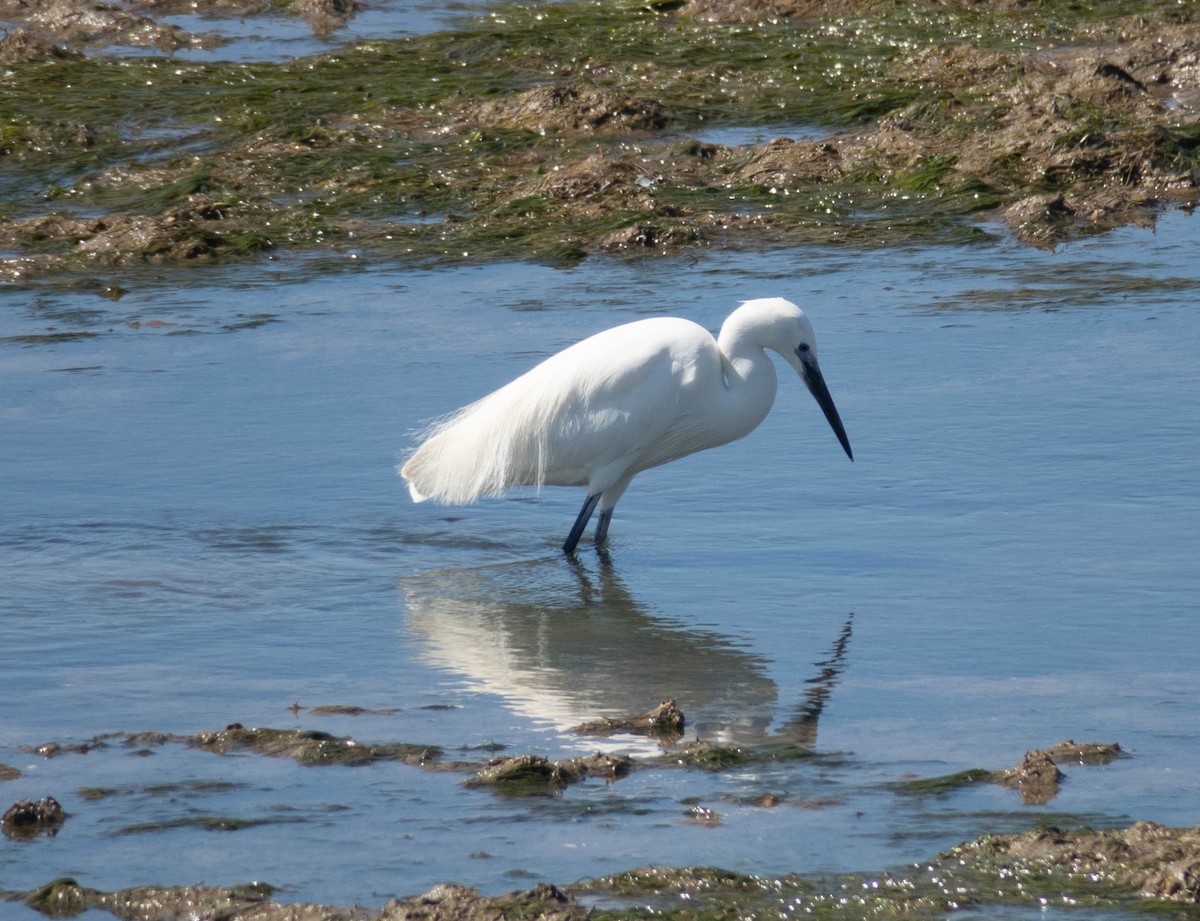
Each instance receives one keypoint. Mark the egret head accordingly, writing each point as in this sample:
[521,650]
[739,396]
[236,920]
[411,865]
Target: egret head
[788,331]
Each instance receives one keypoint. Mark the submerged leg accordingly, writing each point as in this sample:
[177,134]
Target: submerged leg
[602,526]
[585,514]
[611,496]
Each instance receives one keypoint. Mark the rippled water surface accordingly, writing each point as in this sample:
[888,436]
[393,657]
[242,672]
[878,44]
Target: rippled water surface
[281,37]
[201,524]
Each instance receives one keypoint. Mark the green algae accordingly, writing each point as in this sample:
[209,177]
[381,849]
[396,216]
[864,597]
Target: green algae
[308,747]
[218,823]
[709,757]
[1141,870]
[962,880]
[348,710]
[713,894]
[186,789]
[533,775]
[948,783]
[49,338]
[58,898]
[1036,777]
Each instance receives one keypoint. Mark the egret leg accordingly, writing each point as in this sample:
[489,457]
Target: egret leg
[585,514]
[602,526]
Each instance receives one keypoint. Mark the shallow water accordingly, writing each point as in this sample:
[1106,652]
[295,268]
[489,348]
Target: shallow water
[279,37]
[201,525]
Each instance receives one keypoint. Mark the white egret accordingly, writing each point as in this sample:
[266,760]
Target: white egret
[620,402]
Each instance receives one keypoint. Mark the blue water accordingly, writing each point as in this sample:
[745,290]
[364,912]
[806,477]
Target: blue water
[201,524]
[267,36]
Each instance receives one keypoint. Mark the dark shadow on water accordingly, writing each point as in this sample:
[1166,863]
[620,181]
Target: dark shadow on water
[563,642]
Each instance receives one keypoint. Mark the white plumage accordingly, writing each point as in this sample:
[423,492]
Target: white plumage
[620,402]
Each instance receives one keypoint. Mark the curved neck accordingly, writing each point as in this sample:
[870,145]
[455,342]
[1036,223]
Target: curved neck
[750,383]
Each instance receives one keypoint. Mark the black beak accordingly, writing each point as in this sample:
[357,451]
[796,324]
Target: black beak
[815,382]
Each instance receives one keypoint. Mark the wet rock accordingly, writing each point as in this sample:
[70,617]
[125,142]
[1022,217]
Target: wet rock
[324,16]
[594,187]
[521,769]
[197,229]
[250,902]
[309,747]
[129,740]
[54,749]
[642,236]
[99,23]
[1097,79]
[148,739]
[458,903]
[343,710]
[710,757]
[691,880]
[666,721]
[699,814]
[1084,869]
[1041,220]
[22,46]
[254,902]
[93,23]
[568,108]
[1037,777]
[588,179]
[608,767]
[8,773]
[783,163]
[767,801]
[757,11]
[1072,752]
[768,10]
[183,234]
[533,774]
[1155,861]
[62,897]
[27,819]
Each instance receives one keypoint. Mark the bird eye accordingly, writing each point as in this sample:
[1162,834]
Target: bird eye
[803,347]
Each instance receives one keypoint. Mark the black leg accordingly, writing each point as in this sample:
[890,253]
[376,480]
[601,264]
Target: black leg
[585,514]
[602,526]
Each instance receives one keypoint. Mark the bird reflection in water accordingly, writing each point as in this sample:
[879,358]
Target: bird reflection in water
[564,644]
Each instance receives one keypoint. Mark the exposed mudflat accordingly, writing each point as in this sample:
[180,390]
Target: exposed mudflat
[554,132]
[1145,864]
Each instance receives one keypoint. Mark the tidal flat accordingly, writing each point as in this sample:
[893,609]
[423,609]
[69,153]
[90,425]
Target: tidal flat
[235,279]
[1143,869]
[551,131]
